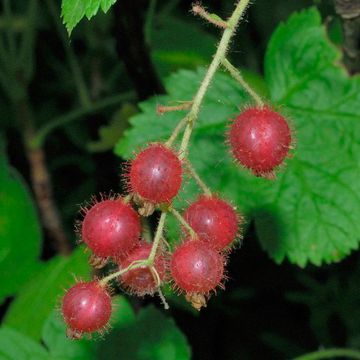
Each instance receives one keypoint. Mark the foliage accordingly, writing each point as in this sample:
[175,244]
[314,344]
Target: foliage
[73,11]
[294,217]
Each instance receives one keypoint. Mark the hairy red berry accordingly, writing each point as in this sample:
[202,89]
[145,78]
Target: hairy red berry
[196,267]
[156,174]
[142,281]
[111,228]
[86,308]
[260,139]
[213,220]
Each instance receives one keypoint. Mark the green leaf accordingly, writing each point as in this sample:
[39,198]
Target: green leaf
[310,212]
[16,346]
[72,11]
[43,292]
[62,348]
[109,134]
[20,234]
[151,336]
[316,202]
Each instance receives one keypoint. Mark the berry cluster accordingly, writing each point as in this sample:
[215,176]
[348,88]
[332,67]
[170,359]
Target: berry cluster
[259,139]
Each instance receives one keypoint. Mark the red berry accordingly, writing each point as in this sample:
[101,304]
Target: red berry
[141,281]
[86,308]
[196,267]
[156,174]
[111,228]
[260,139]
[213,220]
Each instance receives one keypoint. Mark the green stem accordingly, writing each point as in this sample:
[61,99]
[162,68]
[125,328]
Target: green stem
[218,57]
[179,127]
[134,265]
[157,238]
[149,21]
[77,114]
[330,353]
[196,177]
[73,62]
[184,223]
[239,78]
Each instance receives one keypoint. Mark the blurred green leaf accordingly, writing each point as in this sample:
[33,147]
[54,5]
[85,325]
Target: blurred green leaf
[42,293]
[310,212]
[175,46]
[73,11]
[20,234]
[62,348]
[16,346]
[109,134]
[151,336]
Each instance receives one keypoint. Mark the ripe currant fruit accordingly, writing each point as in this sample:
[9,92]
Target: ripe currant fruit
[156,174]
[196,267]
[111,228]
[260,139]
[142,281]
[213,220]
[86,308]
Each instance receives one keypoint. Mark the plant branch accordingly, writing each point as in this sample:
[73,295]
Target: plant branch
[73,62]
[184,223]
[157,238]
[197,178]
[330,353]
[77,114]
[41,181]
[218,57]
[197,9]
[235,73]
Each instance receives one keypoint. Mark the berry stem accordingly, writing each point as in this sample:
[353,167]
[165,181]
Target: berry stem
[184,223]
[161,109]
[196,177]
[197,9]
[236,74]
[329,354]
[157,238]
[214,65]
[179,127]
[132,266]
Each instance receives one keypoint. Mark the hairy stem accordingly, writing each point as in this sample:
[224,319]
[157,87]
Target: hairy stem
[329,354]
[218,57]
[197,178]
[184,223]
[239,78]
[157,238]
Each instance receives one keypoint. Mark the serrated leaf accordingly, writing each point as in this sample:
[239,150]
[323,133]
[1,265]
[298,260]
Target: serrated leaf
[20,234]
[310,212]
[16,346]
[151,336]
[43,292]
[72,11]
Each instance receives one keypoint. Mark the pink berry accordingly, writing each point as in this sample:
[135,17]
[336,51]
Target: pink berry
[156,174]
[196,267]
[111,228]
[213,220]
[86,308]
[141,281]
[260,139]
